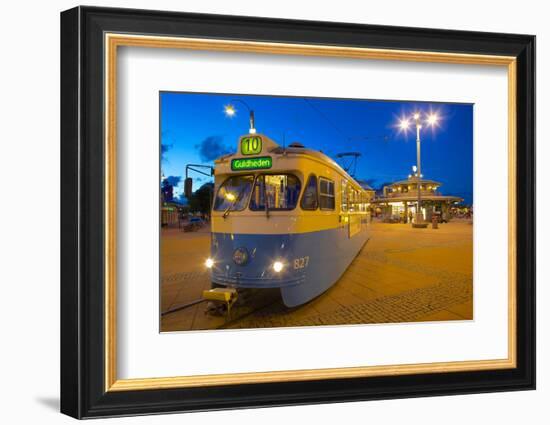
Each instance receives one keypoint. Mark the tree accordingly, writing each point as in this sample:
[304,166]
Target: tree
[201,199]
[167,190]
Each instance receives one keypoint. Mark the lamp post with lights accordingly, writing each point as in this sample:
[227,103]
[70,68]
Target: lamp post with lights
[231,111]
[404,124]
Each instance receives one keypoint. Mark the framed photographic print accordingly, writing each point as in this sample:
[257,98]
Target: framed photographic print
[261,212]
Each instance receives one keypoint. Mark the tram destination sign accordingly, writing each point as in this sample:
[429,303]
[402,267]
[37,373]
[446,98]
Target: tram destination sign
[258,163]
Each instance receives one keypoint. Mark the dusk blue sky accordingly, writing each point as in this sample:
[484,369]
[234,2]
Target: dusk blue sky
[194,129]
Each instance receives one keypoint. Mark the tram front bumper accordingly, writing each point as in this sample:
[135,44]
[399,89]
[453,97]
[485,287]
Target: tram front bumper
[240,281]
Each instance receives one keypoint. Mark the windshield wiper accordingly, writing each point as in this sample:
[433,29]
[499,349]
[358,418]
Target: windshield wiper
[232,204]
[228,209]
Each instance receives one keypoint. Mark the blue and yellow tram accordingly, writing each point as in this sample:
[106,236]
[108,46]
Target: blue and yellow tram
[288,218]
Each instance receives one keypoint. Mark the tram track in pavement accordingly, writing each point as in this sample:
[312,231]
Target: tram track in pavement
[249,301]
[268,299]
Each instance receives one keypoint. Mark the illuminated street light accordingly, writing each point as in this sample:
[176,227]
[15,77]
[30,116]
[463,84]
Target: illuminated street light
[231,111]
[432,120]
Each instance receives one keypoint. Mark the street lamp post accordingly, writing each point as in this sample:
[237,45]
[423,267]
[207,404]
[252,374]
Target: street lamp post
[404,124]
[419,216]
[230,111]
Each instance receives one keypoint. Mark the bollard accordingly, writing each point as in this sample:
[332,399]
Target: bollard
[434,221]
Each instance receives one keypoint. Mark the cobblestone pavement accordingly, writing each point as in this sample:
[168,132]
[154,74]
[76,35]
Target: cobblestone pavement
[401,275]
[450,288]
[408,306]
[185,276]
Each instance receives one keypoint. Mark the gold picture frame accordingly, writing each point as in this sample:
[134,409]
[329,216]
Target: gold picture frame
[114,41]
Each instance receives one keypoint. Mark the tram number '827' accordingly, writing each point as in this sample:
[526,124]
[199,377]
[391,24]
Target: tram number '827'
[301,263]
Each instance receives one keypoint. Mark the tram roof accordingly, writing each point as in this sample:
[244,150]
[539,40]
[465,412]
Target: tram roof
[316,154]
[298,150]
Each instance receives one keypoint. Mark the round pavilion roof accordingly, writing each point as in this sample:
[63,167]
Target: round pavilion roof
[415,180]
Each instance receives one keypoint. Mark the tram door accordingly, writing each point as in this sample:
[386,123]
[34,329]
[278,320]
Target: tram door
[349,218]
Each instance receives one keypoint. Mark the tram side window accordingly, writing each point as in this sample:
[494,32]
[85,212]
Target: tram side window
[281,191]
[326,194]
[309,198]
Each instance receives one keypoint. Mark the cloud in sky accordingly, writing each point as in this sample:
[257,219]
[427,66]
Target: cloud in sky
[211,148]
[163,149]
[173,180]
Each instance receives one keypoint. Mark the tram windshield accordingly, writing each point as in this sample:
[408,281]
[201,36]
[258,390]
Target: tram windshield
[233,193]
[276,192]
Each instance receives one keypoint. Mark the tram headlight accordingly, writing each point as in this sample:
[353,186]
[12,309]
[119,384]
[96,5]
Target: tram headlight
[278,266]
[209,263]
[240,256]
